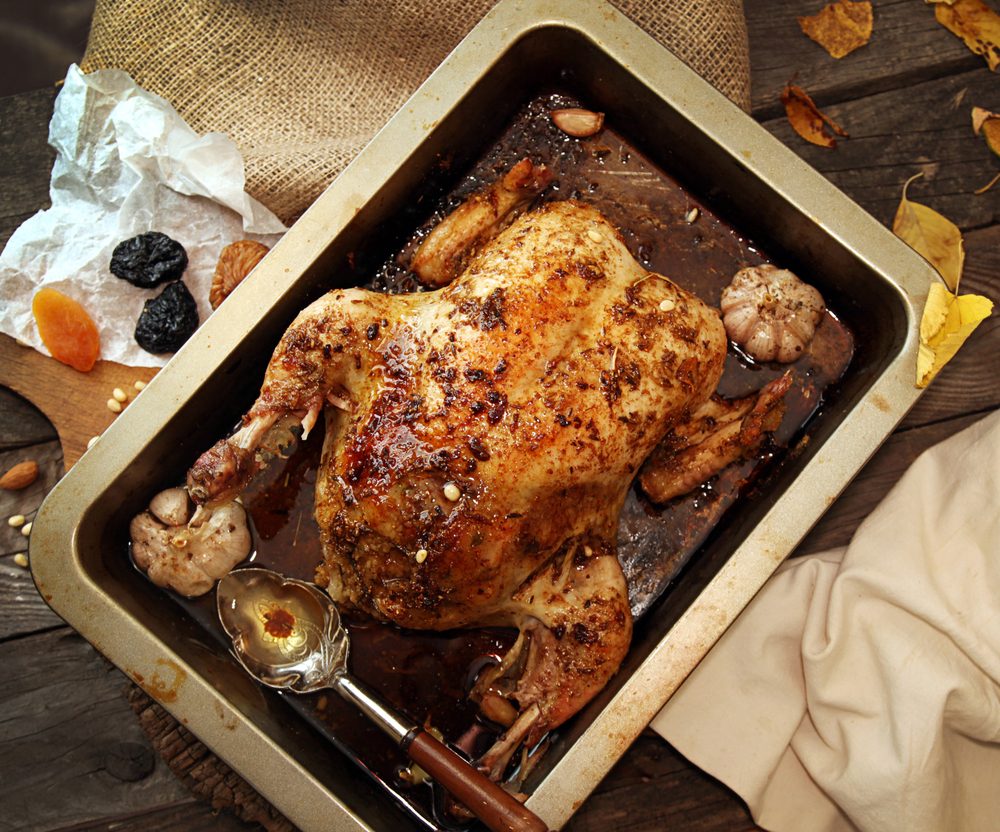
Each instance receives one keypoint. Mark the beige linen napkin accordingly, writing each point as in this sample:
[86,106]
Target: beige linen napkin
[861,687]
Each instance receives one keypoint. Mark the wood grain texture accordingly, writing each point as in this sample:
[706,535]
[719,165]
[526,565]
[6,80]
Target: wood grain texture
[24,175]
[24,611]
[75,402]
[907,47]
[653,788]
[70,749]
[894,135]
[188,816]
[21,423]
[26,501]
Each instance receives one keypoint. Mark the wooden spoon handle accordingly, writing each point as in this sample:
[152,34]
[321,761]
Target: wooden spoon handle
[498,809]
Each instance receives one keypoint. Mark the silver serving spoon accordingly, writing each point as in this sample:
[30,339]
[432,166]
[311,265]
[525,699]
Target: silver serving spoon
[287,634]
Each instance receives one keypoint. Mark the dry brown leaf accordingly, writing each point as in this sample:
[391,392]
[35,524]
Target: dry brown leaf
[934,237]
[948,320]
[987,125]
[840,27]
[975,23]
[806,118]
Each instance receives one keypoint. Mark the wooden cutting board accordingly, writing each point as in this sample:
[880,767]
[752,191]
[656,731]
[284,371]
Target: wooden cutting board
[75,402]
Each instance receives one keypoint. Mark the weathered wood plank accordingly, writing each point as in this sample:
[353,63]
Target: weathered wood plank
[71,750]
[41,40]
[654,788]
[189,816]
[897,134]
[24,611]
[21,423]
[48,455]
[24,176]
[907,46]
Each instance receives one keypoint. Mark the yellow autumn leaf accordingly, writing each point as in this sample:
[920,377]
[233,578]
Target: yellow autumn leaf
[987,125]
[934,237]
[840,27]
[807,119]
[946,323]
[975,23]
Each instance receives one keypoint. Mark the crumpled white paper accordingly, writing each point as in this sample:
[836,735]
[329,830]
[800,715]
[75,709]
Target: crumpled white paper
[126,163]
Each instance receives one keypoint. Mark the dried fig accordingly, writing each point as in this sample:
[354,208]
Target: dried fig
[235,263]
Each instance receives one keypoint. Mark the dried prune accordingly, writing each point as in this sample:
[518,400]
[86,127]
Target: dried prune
[148,260]
[167,320]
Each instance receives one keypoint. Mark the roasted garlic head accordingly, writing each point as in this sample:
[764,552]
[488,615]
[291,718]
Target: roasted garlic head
[770,314]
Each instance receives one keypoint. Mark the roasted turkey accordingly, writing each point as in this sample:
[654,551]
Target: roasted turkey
[481,438]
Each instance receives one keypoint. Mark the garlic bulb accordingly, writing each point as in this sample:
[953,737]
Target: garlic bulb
[188,552]
[770,313]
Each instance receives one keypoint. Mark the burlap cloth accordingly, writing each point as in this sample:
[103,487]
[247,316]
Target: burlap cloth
[301,86]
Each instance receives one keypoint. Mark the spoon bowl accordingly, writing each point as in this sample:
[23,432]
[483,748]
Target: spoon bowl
[286,633]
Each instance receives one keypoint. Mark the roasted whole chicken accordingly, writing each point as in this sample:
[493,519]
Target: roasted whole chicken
[481,438]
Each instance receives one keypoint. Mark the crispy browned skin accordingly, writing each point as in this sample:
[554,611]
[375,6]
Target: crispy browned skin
[536,383]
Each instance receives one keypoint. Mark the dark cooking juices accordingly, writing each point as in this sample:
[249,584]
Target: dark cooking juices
[671,232]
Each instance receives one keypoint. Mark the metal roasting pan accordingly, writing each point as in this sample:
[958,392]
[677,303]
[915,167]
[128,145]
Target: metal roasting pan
[877,284]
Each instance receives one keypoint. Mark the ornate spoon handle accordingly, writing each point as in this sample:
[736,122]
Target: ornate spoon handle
[495,807]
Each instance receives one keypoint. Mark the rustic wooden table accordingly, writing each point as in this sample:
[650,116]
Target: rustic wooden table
[72,754]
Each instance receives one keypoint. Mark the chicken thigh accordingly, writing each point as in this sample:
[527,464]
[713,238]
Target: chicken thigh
[481,440]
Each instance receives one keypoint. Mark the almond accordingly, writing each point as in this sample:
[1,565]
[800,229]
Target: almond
[578,123]
[20,476]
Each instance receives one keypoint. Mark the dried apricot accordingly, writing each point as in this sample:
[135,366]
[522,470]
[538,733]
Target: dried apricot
[66,329]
